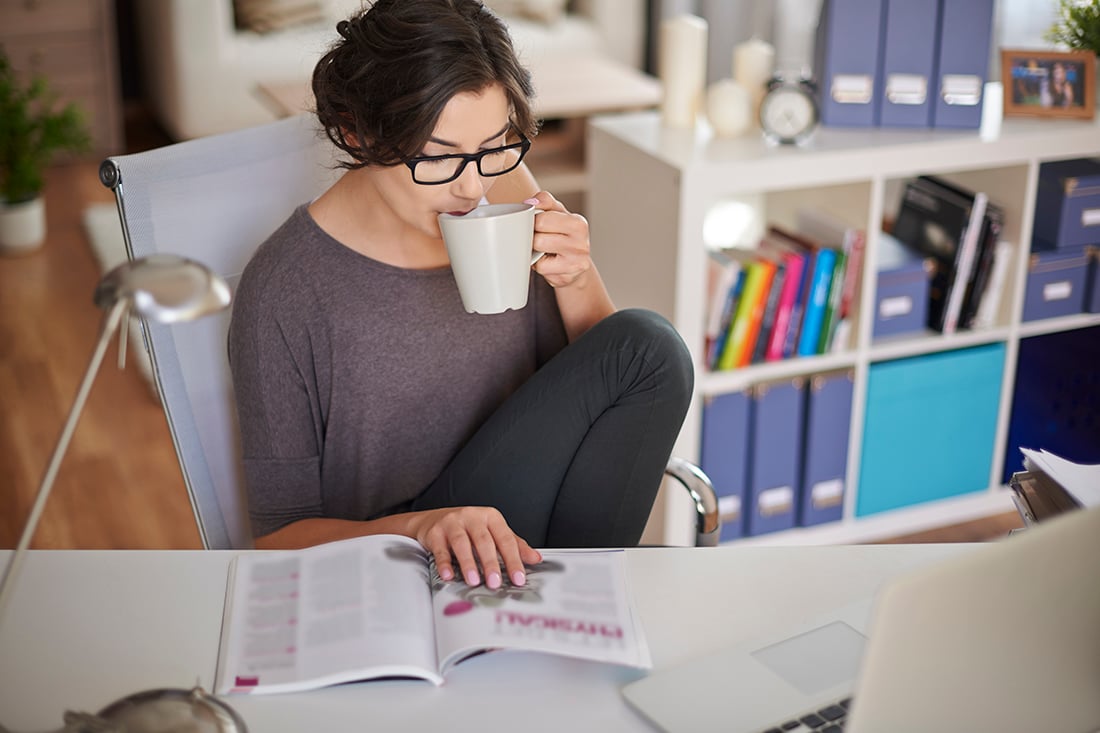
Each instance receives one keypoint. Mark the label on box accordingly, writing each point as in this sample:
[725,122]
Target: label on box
[906,88]
[1057,291]
[729,508]
[962,89]
[899,305]
[852,89]
[1090,217]
[825,494]
[777,500]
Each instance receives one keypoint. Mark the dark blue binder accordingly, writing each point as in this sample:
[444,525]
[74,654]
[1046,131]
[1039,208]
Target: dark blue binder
[846,51]
[825,456]
[966,28]
[724,457]
[905,83]
[775,420]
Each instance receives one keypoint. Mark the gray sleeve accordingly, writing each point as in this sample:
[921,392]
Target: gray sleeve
[276,402]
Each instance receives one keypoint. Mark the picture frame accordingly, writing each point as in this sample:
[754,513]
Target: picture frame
[1059,84]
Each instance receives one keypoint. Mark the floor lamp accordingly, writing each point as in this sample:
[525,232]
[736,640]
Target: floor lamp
[167,289]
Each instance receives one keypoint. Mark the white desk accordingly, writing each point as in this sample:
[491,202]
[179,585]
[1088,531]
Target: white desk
[86,628]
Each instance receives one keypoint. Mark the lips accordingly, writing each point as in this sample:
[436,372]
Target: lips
[460,213]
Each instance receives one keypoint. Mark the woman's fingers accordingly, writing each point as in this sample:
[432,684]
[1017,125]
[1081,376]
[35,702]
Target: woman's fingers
[476,539]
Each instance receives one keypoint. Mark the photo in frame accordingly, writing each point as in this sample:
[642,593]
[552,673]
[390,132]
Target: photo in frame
[1049,83]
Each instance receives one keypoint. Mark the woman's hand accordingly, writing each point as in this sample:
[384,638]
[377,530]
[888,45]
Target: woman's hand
[473,535]
[580,292]
[563,236]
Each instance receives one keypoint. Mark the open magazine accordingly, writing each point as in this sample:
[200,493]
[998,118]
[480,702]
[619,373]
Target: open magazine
[375,607]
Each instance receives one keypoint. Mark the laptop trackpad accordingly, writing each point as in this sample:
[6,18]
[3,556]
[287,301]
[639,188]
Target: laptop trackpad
[817,660]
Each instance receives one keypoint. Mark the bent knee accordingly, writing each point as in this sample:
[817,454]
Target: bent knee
[661,342]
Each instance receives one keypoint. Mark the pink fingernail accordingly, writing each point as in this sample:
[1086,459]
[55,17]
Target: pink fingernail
[446,574]
[531,201]
[493,580]
[518,578]
[472,578]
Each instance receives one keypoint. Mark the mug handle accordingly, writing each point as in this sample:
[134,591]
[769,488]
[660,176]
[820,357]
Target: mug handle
[536,256]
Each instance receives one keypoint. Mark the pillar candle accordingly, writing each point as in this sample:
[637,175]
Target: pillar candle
[753,66]
[682,68]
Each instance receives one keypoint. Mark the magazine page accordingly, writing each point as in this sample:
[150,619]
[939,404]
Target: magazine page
[574,603]
[338,612]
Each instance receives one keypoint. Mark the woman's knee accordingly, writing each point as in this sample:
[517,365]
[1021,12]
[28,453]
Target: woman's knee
[652,335]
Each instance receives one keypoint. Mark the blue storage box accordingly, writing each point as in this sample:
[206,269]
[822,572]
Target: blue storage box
[1067,204]
[901,290]
[930,427]
[724,458]
[1092,285]
[828,415]
[1055,284]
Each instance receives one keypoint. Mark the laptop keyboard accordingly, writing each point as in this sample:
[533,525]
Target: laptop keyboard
[827,719]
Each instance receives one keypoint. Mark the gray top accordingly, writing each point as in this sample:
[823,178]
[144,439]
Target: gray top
[356,381]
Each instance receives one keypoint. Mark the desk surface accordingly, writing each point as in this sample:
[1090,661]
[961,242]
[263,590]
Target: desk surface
[85,628]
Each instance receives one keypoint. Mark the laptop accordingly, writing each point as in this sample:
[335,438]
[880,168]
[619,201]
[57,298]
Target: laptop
[1004,638]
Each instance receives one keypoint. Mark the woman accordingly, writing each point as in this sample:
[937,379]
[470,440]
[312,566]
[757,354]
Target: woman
[369,400]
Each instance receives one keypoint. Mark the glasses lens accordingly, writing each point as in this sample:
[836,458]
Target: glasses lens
[436,171]
[501,160]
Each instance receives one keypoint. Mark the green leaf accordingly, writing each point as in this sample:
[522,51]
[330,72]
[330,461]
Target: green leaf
[33,128]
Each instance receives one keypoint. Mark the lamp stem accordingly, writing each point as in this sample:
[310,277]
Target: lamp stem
[110,323]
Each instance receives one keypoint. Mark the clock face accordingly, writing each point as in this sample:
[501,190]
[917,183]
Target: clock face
[788,114]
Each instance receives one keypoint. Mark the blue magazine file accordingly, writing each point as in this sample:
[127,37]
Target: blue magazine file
[966,29]
[905,84]
[775,455]
[846,53]
[825,455]
[724,458]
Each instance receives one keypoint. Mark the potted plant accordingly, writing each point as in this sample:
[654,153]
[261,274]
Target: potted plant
[33,127]
[1077,26]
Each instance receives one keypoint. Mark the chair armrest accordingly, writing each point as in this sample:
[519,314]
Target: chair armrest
[702,494]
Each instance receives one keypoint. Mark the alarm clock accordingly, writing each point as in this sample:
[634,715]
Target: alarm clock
[788,111]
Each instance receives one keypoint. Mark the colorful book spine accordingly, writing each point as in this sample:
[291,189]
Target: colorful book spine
[817,299]
[832,304]
[733,297]
[750,310]
[794,264]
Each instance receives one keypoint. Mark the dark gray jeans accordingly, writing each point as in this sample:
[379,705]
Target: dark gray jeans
[575,456]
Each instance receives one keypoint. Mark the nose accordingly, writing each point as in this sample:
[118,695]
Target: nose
[470,184]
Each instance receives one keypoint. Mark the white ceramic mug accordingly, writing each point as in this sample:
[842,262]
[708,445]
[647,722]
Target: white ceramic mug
[491,254]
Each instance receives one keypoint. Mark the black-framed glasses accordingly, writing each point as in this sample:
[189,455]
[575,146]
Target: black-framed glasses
[432,170]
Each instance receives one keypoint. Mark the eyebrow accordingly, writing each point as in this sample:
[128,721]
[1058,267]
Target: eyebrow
[495,135]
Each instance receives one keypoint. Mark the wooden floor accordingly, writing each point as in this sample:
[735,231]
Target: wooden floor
[120,485]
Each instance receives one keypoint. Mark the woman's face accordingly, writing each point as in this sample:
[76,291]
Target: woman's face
[470,123]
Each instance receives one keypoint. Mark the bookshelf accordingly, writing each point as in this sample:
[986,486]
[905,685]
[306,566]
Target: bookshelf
[652,187]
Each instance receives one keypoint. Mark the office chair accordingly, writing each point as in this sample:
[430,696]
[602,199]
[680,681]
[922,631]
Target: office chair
[215,199]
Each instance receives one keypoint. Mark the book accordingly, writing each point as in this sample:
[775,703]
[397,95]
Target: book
[983,268]
[809,247]
[771,312]
[750,311]
[939,220]
[373,607]
[832,304]
[722,273]
[787,304]
[991,298]
[813,317]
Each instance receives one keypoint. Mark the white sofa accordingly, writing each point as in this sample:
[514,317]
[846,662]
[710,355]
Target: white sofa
[201,72]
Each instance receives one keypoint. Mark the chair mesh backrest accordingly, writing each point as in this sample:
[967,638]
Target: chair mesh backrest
[213,199]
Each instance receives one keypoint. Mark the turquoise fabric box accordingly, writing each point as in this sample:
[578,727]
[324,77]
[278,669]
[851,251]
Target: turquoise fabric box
[929,428]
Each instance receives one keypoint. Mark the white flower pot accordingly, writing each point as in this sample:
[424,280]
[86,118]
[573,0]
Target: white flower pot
[22,226]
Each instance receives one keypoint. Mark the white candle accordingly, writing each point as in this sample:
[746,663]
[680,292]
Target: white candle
[682,68]
[753,66]
[729,108]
